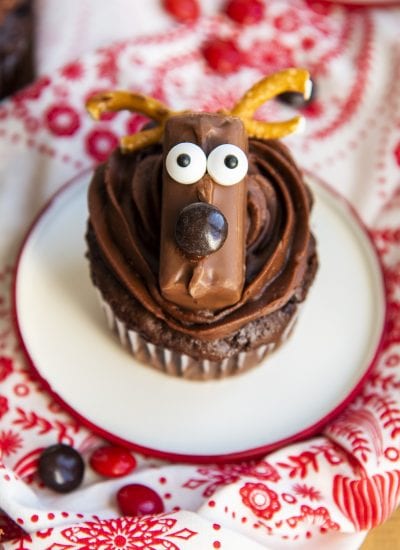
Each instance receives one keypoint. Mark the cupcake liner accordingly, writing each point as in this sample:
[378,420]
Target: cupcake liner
[179,364]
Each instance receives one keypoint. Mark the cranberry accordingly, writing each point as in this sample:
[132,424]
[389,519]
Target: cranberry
[61,468]
[139,500]
[112,461]
[222,55]
[245,12]
[184,11]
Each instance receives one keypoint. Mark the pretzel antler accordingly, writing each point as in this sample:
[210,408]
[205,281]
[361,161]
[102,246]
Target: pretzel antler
[145,105]
[288,80]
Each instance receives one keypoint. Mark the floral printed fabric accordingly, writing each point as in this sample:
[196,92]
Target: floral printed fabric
[325,491]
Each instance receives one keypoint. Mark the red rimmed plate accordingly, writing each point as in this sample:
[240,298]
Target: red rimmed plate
[298,389]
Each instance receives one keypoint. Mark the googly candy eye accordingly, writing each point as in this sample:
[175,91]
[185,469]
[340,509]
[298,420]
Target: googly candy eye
[227,164]
[186,163]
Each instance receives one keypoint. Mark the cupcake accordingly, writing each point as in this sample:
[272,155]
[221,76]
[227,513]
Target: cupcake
[198,237]
[16,45]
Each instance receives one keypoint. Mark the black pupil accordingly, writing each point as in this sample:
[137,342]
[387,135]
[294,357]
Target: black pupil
[183,160]
[231,161]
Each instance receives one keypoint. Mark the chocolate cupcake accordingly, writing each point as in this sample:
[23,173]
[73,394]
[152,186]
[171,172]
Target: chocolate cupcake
[16,45]
[198,237]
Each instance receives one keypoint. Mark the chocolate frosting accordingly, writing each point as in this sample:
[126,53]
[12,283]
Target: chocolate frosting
[125,206]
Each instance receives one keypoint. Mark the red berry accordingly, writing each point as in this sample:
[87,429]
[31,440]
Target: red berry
[112,461]
[139,500]
[184,11]
[245,12]
[397,153]
[223,56]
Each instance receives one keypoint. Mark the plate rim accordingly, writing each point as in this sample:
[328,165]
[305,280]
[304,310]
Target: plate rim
[254,452]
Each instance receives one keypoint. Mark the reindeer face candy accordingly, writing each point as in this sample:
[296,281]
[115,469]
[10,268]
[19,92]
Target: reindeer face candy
[198,237]
[203,211]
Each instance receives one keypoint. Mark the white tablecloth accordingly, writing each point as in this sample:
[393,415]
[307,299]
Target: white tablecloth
[327,491]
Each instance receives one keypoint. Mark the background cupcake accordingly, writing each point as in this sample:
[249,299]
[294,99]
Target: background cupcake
[200,245]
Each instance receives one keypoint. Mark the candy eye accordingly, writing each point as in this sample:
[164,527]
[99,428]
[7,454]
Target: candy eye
[227,164]
[186,163]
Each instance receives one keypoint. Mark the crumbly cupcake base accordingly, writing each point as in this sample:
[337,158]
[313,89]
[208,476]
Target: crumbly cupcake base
[182,365]
[152,342]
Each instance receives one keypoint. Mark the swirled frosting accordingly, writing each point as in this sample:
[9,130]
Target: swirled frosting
[124,208]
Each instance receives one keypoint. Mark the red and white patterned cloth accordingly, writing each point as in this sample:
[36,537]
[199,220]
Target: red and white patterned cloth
[324,492]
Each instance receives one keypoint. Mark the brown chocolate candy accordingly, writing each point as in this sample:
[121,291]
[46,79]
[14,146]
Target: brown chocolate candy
[216,280]
[16,45]
[61,468]
[297,99]
[200,230]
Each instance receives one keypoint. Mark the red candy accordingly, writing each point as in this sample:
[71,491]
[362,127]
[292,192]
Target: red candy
[139,500]
[9,529]
[245,12]
[184,11]
[223,56]
[112,461]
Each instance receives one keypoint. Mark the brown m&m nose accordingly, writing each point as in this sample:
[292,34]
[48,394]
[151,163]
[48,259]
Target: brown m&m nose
[200,230]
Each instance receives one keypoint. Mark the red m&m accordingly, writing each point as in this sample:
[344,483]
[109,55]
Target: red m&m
[222,55]
[245,12]
[184,11]
[110,461]
[139,500]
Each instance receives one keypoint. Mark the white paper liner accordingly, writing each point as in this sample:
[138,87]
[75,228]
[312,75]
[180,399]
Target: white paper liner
[179,364]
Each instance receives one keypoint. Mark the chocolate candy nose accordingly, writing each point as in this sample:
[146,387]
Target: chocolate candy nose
[200,229]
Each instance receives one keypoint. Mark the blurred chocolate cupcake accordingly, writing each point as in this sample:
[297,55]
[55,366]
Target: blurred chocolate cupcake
[198,238]
[16,45]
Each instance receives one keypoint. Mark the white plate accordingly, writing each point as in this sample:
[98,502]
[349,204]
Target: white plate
[296,391]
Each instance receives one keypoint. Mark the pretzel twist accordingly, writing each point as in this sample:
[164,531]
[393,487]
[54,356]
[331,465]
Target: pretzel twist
[142,139]
[288,80]
[121,100]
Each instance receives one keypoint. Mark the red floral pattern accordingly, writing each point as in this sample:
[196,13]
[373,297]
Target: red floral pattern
[211,478]
[34,91]
[262,501]
[10,442]
[269,56]
[307,492]
[315,487]
[289,21]
[311,520]
[129,533]
[265,471]
[100,143]
[62,120]
[370,501]
[321,8]
[73,71]
[6,367]
[397,153]
[302,465]
[3,406]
